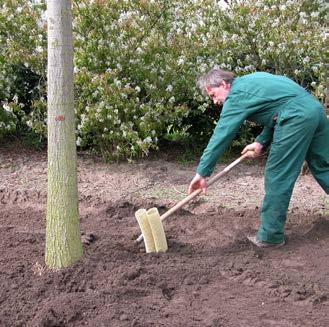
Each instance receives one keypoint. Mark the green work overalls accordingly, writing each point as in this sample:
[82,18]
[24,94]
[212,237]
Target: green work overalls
[294,123]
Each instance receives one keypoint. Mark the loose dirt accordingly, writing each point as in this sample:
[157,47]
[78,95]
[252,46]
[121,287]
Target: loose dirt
[210,276]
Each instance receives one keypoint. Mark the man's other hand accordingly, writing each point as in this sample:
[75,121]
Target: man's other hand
[253,150]
[196,183]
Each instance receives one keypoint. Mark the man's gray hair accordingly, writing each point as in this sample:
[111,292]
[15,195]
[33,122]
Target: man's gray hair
[213,78]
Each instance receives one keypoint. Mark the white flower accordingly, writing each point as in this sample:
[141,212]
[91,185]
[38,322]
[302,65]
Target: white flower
[117,82]
[180,61]
[7,108]
[78,142]
[148,140]
[234,37]
[172,99]
[169,88]
[137,89]
[203,67]
[39,49]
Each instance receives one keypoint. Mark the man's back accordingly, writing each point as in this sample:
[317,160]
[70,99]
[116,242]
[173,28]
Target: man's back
[268,86]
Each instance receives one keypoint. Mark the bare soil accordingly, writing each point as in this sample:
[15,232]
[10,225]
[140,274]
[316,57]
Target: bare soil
[210,276]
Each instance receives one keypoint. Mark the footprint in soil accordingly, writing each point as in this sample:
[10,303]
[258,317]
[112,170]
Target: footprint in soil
[318,230]
[167,292]
[298,294]
[121,209]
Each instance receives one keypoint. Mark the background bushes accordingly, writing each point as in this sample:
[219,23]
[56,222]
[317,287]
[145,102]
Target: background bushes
[136,63]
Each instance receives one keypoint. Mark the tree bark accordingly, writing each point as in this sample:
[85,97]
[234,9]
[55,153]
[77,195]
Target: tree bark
[63,242]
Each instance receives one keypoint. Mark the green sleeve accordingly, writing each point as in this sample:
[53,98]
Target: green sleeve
[265,137]
[231,119]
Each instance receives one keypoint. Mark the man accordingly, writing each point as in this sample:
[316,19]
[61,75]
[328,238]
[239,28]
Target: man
[295,125]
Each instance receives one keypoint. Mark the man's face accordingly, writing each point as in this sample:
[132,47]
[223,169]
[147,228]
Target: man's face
[219,93]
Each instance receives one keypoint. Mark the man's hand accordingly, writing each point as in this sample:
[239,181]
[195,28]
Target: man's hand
[198,182]
[253,150]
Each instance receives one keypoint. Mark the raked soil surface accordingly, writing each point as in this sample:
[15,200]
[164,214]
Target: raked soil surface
[210,275]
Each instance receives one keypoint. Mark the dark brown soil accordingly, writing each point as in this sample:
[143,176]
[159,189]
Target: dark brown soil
[210,276]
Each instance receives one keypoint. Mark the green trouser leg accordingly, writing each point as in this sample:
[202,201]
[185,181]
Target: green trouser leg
[294,137]
[317,156]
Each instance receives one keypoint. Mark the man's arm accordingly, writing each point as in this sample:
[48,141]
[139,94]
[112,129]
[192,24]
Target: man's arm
[231,118]
[265,137]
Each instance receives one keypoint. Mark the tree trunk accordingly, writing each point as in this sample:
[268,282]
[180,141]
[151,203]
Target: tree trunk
[63,242]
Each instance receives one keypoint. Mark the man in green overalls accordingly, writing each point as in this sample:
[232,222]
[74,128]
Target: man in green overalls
[295,124]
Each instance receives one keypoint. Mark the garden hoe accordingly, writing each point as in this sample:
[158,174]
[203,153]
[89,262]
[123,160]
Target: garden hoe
[150,221]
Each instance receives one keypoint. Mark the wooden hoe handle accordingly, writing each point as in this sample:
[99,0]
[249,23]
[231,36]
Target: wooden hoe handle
[198,191]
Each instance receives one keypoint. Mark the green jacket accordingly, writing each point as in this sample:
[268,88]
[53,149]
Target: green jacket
[256,97]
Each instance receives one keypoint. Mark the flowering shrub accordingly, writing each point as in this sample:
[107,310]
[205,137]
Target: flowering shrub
[282,37]
[136,63]
[22,67]
[139,60]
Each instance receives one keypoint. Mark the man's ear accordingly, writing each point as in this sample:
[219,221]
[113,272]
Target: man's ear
[225,85]
[208,88]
